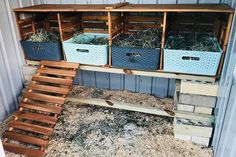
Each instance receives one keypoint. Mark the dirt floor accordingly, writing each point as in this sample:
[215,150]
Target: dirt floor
[87,130]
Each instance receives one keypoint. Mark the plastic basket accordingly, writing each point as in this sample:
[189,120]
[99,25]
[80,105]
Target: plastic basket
[135,58]
[85,53]
[42,50]
[192,62]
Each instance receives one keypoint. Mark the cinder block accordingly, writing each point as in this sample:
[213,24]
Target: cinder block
[27,78]
[183,107]
[199,88]
[182,137]
[197,100]
[201,140]
[203,110]
[29,70]
[192,128]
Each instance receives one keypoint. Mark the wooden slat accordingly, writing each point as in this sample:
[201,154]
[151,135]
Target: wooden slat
[95,18]
[23,150]
[25,138]
[42,107]
[58,72]
[54,80]
[61,64]
[31,127]
[44,97]
[35,117]
[50,89]
[143,19]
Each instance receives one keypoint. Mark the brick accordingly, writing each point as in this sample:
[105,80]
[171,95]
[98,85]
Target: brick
[201,140]
[199,88]
[183,128]
[203,110]
[183,107]
[197,100]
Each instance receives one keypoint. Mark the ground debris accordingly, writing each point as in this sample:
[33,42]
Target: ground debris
[87,130]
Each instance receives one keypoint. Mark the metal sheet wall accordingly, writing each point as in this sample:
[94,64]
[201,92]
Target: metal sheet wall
[224,139]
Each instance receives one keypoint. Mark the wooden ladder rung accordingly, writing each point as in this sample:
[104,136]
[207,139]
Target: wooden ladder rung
[61,64]
[31,127]
[25,138]
[35,117]
[44,97]
[50,89]
[42,107]
[23,150]
[58,72]
[54,80]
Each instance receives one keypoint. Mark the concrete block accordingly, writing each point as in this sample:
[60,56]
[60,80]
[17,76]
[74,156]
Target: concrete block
[197,100]
[199,88]
[201,140]
[182,137]
[192,128]
[29,70]
[183,107]
[203,110]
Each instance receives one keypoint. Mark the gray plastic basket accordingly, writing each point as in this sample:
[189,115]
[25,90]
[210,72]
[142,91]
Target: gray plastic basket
[135,58]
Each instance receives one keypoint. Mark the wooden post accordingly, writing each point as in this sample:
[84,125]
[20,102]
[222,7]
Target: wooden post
[17,16]
[110,36]
[61,33]
[163,39]
[225,43]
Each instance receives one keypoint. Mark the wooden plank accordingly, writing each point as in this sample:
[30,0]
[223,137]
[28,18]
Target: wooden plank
[61,64]
[158,73]
[58,72]
[30,127]
[60,81]
[129,8]
[50,89]
[23,150]
[44,97]
[35,117]
[41,107]
[175,8]
[144,109]
[25,138]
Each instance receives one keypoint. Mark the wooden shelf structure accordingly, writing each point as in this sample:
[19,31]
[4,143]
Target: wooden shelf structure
[112,20]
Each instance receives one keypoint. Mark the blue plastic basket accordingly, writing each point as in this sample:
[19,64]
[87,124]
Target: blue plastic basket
[42,50]
[192,62]
[135,58]
[85,53]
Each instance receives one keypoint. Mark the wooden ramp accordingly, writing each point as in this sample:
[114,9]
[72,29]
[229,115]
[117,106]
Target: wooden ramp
[30,129]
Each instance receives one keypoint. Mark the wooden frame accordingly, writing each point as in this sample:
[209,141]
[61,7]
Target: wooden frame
[122,8]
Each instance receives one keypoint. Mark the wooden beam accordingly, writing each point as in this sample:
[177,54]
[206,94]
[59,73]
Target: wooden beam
[163,40]
[143,109]
[110,36]
[158,73]
[226,39]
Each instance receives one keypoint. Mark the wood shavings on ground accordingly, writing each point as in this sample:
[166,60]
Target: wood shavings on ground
[123,96]
[87,130]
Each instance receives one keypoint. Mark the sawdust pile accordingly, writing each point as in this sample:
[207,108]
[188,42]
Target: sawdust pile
[87,130]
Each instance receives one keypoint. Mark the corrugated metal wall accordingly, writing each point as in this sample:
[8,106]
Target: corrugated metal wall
[224,140]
